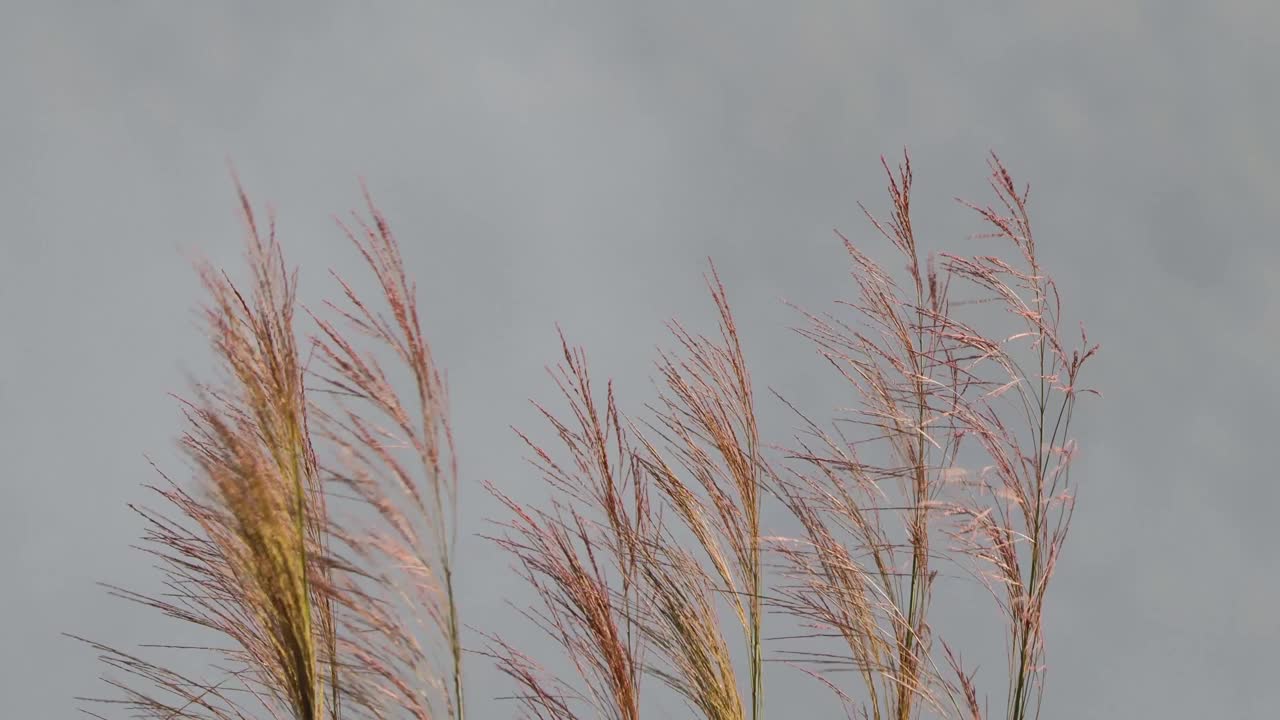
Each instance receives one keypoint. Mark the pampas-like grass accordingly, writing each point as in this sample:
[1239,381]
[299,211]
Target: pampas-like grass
[648,560]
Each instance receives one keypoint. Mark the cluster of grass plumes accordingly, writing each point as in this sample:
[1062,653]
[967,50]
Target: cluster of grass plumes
[619,592]
[927,381]
[876,496]
[650,559]
[325,618]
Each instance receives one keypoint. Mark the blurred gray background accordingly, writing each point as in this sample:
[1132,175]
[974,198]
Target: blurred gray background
[576,163]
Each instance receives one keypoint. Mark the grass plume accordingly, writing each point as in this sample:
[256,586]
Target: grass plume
[246,557]
[396,454]
[583,557]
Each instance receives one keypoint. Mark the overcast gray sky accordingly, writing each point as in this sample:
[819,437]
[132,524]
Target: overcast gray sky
[575,162]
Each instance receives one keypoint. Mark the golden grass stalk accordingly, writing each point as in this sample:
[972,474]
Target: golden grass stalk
[682,625]
[248,559]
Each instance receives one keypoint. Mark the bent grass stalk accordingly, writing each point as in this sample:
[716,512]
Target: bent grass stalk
[583,557]
[415,550]
[246,556]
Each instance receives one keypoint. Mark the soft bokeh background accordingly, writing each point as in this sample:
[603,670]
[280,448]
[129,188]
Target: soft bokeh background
[576,162]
